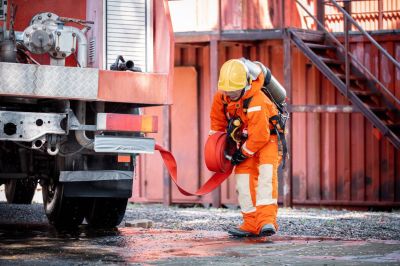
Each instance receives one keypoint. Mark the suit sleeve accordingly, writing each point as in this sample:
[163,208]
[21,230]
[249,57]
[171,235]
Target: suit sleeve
[258,123]
[217,115]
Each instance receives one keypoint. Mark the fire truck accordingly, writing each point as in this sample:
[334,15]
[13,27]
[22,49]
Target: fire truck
[72,93]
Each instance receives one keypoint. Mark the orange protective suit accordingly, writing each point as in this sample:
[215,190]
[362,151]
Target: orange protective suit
[256,177]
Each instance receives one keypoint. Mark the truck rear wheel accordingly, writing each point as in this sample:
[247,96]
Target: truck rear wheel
[20,191]
[61,211]
[105,212]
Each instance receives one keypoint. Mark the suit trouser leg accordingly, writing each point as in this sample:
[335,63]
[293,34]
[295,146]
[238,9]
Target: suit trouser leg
[267,185]
[257,187]
[246,174]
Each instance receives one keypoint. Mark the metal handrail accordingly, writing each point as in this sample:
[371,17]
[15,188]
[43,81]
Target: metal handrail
[322,26]
[355,23]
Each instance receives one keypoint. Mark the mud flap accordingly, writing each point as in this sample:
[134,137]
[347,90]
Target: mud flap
[99,184]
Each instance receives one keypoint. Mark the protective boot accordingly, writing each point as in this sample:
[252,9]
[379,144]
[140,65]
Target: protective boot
[237,232]
[266,214]
[267,230]
[248,227]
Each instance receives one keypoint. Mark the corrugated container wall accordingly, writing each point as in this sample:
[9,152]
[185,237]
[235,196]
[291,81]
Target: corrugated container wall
[337,158]
[202,15]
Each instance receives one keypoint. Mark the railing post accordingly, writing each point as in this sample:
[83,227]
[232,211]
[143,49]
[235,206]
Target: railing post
[347,27]
[320,13]
[372,40]
[219,24]
[216,194]
[287,73]
[167,191]
[380,14]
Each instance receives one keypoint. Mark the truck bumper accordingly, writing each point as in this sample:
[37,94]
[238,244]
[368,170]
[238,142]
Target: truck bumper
[130,145]
[102,184]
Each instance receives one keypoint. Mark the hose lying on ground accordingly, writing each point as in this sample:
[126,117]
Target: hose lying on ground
[215,160]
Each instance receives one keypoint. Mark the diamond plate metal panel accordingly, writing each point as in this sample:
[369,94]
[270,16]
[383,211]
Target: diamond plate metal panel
[48,81]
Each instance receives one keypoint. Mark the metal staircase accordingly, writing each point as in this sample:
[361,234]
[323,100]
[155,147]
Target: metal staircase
[350,77]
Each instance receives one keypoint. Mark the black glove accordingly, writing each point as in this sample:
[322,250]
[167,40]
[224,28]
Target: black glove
[238,157]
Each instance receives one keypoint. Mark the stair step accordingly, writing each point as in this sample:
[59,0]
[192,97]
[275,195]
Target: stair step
[363,93]
[309,35]
[320,46]
[330,61]
[352,77]
[394,127]
[379,110]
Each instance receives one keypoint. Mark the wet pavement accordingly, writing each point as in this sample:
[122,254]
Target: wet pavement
[41,244]
[196,236]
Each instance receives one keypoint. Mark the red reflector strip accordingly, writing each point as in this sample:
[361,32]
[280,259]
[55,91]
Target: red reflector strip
[127,123]
[124,159]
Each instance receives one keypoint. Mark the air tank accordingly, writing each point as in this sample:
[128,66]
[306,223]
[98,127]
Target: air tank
[276,89]
[273,86]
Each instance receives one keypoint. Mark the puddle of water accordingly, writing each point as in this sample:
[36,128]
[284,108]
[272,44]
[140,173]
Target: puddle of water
[388,258]
[172,243]
[23,242]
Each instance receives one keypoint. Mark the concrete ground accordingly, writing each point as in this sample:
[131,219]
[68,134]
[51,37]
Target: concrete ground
[196,236]
[41,245]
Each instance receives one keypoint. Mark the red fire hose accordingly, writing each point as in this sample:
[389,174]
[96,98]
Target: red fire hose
[215,161]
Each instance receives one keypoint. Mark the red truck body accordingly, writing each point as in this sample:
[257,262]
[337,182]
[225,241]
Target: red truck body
[74,77]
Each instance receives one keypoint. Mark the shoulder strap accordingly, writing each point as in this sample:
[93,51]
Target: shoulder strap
[225,106]
[246,103]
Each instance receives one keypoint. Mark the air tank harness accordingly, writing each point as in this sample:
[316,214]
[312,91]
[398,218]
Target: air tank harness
[215,160]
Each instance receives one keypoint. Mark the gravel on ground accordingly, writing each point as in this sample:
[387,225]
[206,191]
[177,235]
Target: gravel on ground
[342,224]
[312,222]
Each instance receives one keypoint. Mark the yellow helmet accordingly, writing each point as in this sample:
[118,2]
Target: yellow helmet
[233,76]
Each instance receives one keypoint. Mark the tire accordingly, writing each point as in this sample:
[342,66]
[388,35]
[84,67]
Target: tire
[20,191]
[105,212]
[61,211]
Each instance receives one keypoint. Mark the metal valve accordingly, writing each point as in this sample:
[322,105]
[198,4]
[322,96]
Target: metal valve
[236,123]
[234,131]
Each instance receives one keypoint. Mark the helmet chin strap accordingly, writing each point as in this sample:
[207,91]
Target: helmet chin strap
[241,95]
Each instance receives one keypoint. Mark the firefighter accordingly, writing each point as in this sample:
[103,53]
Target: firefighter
[239,98]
